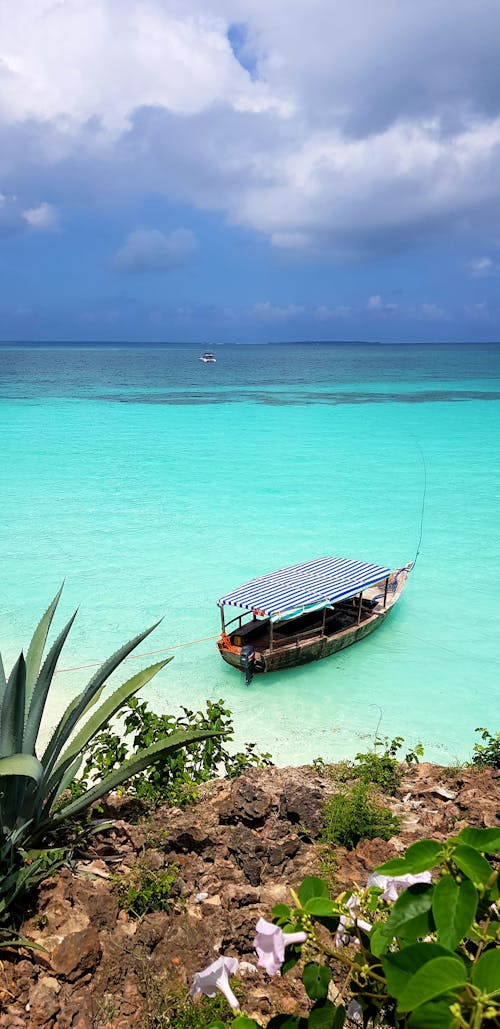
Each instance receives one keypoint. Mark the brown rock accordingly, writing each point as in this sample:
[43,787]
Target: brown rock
[77,954]
[44,1001]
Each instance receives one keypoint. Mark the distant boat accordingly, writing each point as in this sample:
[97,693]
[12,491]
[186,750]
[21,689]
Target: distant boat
[208,357]
[305,612]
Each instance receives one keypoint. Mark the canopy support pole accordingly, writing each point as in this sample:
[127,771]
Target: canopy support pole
[385,592]
[270,636]
[359,606]
[324,621]
[222,619]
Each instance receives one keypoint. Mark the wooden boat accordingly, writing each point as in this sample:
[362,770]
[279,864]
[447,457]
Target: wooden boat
[306,612]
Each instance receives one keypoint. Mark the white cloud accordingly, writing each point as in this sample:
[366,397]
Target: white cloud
[267,312]
[431,312]
[374,302]
[481,267]
[42,217]
[149,250]
[380,133]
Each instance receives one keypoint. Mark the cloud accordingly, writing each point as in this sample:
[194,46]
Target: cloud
[382,134]
[267,312]
[43,216]
[481,267]
[149,250]
[374,302]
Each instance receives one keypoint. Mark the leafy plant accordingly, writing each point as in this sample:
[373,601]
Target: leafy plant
[352,815]
[174,777]
[142,889]
[487,754]
[381,765]
[430,960]
[32,788]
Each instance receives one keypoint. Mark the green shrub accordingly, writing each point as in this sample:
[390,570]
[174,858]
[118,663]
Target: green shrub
[380,765]
[487,754]
[142,889]
[351,815]
[175,777]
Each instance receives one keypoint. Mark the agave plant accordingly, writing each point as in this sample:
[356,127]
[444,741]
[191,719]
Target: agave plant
[30,785]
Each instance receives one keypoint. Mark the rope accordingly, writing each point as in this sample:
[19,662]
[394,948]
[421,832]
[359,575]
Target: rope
[137,657]
[423,502]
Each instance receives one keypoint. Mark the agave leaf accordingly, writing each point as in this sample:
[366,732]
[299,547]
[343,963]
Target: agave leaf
[131,767]
[78,707]
[103,714]
[22,764]
[36,648]
[41,689]
[12,712]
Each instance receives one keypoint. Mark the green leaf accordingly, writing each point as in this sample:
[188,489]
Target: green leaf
[98,720]
[379,942]
[411,915]
[12,712]
[281,912]
[22,764]
[400,966]
[287,1022]
[244,1022]
[316,979]
[486,972]
[435,1015]
[454,908]
[36,648]
[431,980]
[312,887]
[485,840]
[419,857]
[473,864]
[42,686]
[324,1015]
[131,767]
[321,907]
[77,708]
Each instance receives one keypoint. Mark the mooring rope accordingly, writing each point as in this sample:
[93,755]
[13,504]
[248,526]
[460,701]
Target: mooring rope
[423,503]
[137,657]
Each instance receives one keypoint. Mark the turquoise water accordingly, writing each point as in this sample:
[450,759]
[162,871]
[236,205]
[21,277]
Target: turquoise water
[154,484]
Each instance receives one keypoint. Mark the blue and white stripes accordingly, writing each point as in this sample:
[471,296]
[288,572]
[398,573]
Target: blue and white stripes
[321,582]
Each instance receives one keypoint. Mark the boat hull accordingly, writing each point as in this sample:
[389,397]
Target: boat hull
[306,650]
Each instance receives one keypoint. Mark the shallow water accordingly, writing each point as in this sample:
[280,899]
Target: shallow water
[155,484]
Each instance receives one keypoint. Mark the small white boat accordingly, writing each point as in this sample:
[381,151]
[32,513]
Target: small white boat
[208,357]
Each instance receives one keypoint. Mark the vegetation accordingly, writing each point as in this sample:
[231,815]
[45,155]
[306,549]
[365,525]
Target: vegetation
[487,754]
[352,815]
[431,960]
[142,889]
[32,788]
[380,765]
[174,777]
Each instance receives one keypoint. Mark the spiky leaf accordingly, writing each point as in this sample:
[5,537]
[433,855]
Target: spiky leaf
[36,648]
[131,767]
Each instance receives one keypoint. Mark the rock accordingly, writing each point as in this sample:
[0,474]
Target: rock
[248,852]
[247,803]
[44,1001]
[78,953]
[301,805]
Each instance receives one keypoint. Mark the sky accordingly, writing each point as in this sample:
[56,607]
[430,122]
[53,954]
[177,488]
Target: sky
[249,170]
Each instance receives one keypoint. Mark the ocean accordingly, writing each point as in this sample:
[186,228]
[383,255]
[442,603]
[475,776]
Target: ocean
[153,484]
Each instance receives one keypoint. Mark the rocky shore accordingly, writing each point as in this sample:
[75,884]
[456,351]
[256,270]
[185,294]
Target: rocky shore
[236,852]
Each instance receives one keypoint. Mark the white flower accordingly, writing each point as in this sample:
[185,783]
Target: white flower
[393,885]
[270,943]
[350,922]
[216,977]
[355,1012]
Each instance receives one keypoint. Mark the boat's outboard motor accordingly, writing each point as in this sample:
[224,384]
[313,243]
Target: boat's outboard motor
[247,659]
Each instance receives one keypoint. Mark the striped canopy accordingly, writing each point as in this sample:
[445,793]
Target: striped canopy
[308,586]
